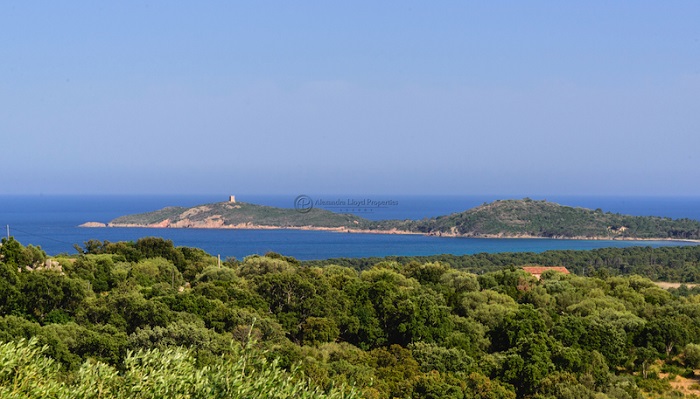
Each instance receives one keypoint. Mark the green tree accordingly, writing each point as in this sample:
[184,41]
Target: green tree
[10,296]
[148,272]
[395,368]
[691,355]
[96,269]
[666,333]
[12,253]
[317,330]
[480,386]
[45,291]
[528,364]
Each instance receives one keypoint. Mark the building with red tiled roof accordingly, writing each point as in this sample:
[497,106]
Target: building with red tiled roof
[538,270]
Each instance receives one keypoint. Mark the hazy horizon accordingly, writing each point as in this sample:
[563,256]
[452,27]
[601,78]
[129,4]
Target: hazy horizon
[389,98]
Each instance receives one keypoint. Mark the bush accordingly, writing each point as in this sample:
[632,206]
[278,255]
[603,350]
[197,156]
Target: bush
[691,353]
[25,372]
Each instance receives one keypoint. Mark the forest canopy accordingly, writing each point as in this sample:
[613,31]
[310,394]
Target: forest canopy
[439,327]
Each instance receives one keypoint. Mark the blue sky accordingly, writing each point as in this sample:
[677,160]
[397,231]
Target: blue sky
[396,97]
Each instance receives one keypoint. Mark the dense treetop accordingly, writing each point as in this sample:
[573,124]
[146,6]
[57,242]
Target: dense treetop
[673,263]
[406,328]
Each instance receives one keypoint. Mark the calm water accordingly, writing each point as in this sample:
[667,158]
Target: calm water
[50,221]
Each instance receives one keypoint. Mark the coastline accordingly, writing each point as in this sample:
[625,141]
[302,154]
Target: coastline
[249,226]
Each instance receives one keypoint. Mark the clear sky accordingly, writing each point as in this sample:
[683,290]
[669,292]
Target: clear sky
[379,97]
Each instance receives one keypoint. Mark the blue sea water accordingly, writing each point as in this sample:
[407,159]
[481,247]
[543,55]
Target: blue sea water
[51,222]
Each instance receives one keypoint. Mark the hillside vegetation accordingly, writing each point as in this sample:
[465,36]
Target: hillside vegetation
[530,218]
[673,264]
[223,214]
[147,319]
[507,218]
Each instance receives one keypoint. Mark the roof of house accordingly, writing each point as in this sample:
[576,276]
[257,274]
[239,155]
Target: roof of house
[542,269]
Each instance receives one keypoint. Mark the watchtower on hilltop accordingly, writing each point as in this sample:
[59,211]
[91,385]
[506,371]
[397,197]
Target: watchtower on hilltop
[232,199]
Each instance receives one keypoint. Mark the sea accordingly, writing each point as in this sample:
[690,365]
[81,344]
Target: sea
[51,222]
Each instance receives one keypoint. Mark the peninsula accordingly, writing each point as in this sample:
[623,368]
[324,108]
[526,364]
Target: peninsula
[524,218]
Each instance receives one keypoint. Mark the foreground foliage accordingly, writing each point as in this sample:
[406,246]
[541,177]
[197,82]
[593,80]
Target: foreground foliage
[170,373]
[147,318]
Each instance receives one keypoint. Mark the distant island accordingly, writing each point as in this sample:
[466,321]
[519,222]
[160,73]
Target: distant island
[524,218]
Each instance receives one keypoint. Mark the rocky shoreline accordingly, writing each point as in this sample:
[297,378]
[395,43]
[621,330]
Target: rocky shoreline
[166,224]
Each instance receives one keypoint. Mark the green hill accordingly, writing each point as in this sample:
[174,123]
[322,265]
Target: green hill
[526,217]
[505,218]
[240,214]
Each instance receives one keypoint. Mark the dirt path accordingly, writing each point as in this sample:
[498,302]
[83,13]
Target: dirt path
[686,385]
[666,285]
